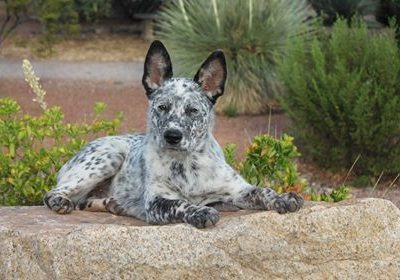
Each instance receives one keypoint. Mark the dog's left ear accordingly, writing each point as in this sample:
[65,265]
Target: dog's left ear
[212,75]
[157,67]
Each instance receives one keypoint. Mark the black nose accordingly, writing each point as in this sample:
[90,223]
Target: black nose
[173,136]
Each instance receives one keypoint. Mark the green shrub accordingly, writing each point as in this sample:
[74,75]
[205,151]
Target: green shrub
[271,162]
[93,10]
[57,18]
[343,96]
[249,32]
[336,195]
[330,10]
[33,149]
[268,161]
[230,154]
[386,10]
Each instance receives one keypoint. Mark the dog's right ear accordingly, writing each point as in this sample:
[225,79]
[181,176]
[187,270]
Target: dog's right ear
[157,67]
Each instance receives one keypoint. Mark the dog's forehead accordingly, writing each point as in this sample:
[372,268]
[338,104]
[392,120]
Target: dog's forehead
[181,87]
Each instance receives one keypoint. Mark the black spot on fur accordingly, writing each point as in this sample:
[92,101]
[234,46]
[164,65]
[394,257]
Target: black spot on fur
[165,210]
[177,169]
[194,166]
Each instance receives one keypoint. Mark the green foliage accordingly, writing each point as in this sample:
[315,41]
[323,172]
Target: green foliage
[268,161]
[343,96]
[250,33]
[336,195]
[271,162]
[93,10]
[387,10]
[57,17]
[230,110]
[230,154]
[330,10]
[33,149]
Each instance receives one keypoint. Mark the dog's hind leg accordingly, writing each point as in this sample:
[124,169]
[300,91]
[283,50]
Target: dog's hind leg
[97,162]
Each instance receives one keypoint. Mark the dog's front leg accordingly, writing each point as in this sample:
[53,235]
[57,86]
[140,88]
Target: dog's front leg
[246,196]
[161,210]
[251,197]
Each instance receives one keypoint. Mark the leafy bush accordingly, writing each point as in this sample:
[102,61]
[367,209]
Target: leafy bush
[336,195]
[249,32]
[388,9]
[268,161]
[330,10]
[93,10]
[271,162]
[57,17]
[33,149]
[344,97]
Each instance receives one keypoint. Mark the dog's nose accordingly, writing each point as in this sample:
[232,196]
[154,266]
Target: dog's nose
[173,136]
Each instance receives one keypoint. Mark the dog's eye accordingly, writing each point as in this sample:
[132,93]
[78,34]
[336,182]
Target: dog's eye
[162,107]
[192,111]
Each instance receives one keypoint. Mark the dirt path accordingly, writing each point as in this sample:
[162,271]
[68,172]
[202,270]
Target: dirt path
[70,70]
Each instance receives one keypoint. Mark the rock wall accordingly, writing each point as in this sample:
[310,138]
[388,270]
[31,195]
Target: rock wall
[350,240]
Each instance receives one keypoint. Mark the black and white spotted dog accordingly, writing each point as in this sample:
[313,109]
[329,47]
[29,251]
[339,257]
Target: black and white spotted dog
[176,171]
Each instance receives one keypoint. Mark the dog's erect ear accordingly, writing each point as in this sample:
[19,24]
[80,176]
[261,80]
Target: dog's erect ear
[157,67]
[212,75]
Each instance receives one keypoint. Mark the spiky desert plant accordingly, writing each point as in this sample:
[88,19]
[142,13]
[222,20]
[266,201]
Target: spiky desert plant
[251,33]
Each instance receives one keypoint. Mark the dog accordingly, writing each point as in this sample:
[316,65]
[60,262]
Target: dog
[176,172]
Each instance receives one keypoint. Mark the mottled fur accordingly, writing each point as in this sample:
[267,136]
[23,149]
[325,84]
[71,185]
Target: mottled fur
[175,171]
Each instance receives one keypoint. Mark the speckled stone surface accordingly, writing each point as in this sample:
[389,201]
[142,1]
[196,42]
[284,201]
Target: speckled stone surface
[351,240]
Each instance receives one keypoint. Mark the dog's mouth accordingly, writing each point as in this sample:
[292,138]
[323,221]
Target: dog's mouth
[176,148]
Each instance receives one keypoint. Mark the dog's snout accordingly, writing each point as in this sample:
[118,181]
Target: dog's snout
[173,136]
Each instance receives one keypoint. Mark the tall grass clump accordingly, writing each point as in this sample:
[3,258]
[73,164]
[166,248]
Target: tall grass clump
[250,33]
[343,96]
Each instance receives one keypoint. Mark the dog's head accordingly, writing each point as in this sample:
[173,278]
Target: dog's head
[180,114]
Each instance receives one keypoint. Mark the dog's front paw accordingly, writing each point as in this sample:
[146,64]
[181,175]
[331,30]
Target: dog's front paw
[203,217]
[59,203]
[288,202]
[293,200]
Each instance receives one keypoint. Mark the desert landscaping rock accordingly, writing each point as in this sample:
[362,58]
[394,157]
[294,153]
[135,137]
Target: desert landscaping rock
[349,240]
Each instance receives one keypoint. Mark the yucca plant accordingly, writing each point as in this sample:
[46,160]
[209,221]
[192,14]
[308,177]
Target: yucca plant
[251,33]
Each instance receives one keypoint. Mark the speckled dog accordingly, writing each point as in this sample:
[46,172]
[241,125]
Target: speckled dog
[173,173]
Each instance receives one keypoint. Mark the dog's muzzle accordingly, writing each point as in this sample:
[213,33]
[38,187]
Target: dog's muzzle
[173,136]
